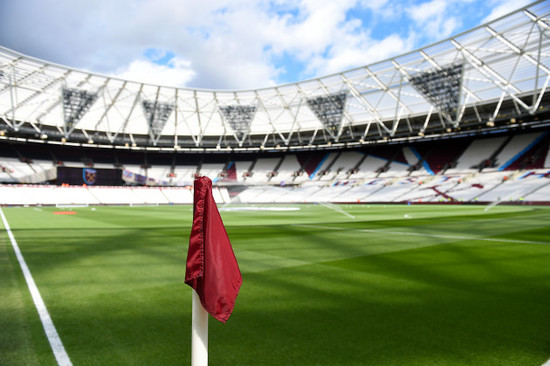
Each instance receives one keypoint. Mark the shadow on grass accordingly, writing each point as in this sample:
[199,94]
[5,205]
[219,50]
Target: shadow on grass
[396,314]
[117,297]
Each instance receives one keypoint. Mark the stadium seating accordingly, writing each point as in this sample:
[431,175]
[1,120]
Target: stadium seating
[263,170]
[286,172]
[478,155]
[468,170]
[514,149]
[242,168]
[211,170]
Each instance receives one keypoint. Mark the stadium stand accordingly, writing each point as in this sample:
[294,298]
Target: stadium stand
[514,189]
[241,169]
[341,176]
[514,148]
[263,170]
[286,172]
[478,155]
[450,122]
[368,168]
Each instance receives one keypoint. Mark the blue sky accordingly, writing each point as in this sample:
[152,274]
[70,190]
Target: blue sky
[232,44]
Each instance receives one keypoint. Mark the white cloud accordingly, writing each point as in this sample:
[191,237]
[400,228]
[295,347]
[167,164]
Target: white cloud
[347,57]
[327,41]
[503,7]
[177,72]
[434,18]
[425,11]
[318,27]
[449,26]
[226,44]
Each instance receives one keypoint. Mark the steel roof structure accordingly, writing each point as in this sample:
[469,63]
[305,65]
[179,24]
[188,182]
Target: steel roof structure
[492,76]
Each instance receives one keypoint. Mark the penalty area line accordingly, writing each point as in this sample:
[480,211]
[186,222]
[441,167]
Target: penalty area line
[51,333]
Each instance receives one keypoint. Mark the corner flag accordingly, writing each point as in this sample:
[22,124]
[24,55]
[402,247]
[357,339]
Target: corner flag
[212,269]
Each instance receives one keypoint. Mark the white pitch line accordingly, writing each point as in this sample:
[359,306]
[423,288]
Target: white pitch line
[337,209]
[547,363]
[55,342]
[454,237]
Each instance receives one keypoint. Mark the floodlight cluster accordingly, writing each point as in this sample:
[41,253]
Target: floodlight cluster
[239,118]
[441,87]
[329,109]
[76,103]
[157,113]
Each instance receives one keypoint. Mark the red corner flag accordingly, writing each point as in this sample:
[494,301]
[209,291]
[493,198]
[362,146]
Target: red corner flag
[212,269]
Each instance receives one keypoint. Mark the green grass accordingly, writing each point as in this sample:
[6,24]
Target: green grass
[415,285]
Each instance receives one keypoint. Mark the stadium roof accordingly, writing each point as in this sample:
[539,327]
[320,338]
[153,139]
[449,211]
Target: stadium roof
[491,76]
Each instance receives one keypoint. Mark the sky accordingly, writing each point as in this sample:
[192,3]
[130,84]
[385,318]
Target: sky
[232,44]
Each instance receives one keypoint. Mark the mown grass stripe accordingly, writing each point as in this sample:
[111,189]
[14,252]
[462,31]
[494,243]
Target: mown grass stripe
[453,237]
[113,281]
[51,333]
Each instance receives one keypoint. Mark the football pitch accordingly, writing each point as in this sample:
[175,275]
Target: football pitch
[323,285]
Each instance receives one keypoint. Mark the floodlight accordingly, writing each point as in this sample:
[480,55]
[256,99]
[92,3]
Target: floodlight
[157,113]
[76,103]
[239,118]
[441,87]
[329,109]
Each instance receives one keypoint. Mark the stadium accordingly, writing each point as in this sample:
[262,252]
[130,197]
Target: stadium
[388,214]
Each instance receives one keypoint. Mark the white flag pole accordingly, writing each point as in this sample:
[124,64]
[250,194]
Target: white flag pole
[199,333]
